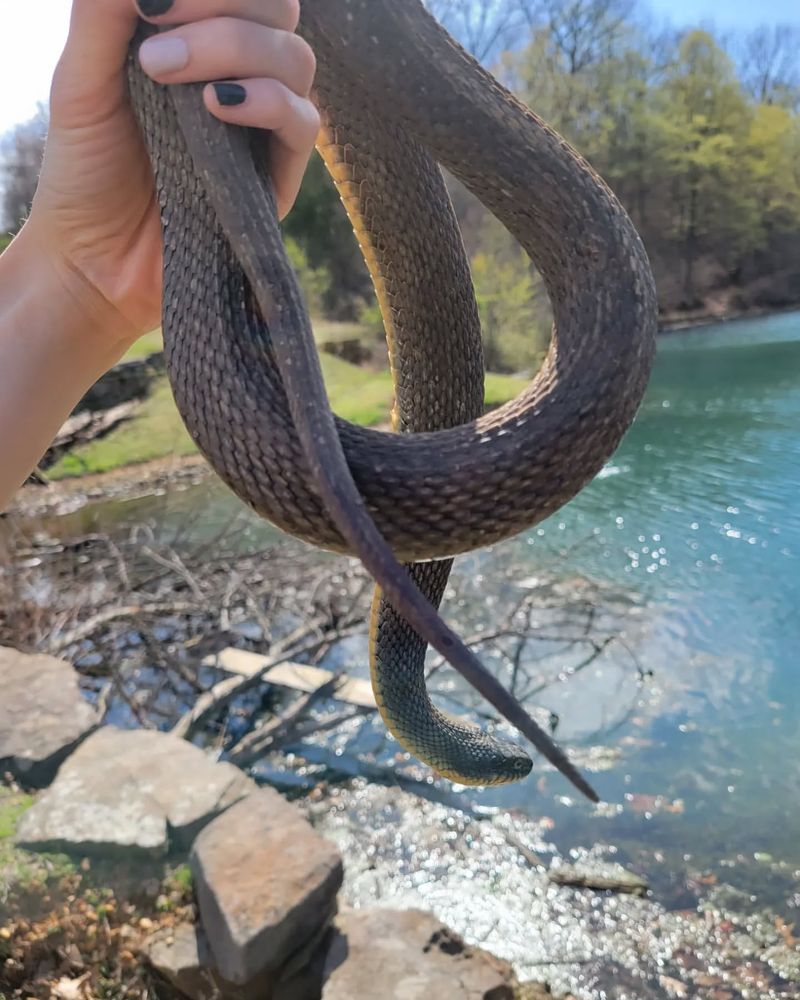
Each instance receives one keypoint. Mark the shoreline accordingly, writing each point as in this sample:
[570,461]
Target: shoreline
[143,479]
[128,482]
[681,322]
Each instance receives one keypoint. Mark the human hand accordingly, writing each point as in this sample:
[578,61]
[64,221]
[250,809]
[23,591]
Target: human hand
[95,216]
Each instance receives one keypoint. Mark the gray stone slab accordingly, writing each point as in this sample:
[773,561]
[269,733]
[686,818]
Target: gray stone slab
[409,955]
[266,885]
[43,716]
[181,955]
[140,790]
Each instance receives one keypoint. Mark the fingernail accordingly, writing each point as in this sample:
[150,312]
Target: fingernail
[154,8]
[163,55]
[230,94]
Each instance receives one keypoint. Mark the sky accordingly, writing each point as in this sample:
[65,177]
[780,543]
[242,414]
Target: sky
[32,34]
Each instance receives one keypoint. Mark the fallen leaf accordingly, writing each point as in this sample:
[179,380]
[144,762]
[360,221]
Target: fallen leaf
[72,989]
[652,804]
[786,931]
[674,986]
[705,879]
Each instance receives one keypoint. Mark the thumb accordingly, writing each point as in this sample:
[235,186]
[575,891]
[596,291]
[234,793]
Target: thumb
[89,80]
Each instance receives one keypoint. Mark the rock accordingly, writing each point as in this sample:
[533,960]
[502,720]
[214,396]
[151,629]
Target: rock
[603,876]
[181,955]
[126,381]
[138,790]
[306,983]
[537,991]
[43,716]
[409,955]
[266,884]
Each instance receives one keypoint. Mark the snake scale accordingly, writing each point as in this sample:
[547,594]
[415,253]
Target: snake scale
[399,98]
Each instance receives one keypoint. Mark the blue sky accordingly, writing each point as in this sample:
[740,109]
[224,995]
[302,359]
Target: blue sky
[32,33]
[729,13]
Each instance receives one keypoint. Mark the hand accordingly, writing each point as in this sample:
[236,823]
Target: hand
[95,215]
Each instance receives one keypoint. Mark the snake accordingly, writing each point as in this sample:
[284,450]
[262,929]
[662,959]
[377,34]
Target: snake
[401,102]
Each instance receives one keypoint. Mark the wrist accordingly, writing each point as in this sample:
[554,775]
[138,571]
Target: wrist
[81,315]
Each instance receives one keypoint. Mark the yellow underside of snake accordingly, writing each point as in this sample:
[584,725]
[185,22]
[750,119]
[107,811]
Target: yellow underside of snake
[398,98]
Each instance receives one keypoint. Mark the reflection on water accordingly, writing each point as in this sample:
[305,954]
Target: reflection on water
[698,515]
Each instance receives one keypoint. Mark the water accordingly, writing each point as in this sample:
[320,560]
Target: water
[698,515]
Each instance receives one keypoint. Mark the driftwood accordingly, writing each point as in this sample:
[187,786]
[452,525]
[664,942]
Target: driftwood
[85,427]
[226,691]
[614,879]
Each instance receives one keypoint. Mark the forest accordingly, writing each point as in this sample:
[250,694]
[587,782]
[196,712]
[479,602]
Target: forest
[697,131]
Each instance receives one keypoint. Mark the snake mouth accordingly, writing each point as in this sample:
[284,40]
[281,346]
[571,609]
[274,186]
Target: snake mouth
[511,764]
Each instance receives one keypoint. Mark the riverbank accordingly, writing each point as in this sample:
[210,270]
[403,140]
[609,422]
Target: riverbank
[695,552]
[130,481]
[709,315]
[154,430]
[143,619]
[146,866]
[150,441]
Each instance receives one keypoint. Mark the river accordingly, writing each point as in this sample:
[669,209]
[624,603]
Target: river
[699,513]
[698,516]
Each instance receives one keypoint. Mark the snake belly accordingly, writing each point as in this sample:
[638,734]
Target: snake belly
[398,94]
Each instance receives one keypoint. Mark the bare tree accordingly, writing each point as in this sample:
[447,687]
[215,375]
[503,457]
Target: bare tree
[771,64]
[22,151]
[585,31]
[485,27]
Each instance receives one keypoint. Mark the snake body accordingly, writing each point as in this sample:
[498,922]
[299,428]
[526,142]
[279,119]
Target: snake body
[399,97]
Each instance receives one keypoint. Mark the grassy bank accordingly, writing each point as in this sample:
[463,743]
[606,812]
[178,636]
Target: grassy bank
[357,394]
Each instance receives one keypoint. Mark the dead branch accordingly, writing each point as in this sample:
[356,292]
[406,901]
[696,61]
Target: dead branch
[88,628]
[253,746]
[226,691]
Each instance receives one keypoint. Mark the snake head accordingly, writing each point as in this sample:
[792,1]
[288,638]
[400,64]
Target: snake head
[488,760]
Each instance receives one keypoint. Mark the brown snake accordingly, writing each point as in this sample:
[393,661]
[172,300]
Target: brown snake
[398,96]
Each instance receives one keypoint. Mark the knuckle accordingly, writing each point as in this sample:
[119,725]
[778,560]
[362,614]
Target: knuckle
[303,60]
[230,35]
[314,121]
[288,13]
[314,117]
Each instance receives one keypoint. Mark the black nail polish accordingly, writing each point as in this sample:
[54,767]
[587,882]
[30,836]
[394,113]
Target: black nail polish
[230,94]
[154,8]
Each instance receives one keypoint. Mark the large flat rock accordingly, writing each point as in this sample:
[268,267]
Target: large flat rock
[43,716]
[266,885]
[121,791]
[409,955]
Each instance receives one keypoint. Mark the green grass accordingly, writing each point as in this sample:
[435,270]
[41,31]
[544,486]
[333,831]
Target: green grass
[357,394]
[156,431]
[325,332]
[17,867]
[149,344]
[500,389]
[328,331]
[13,805]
